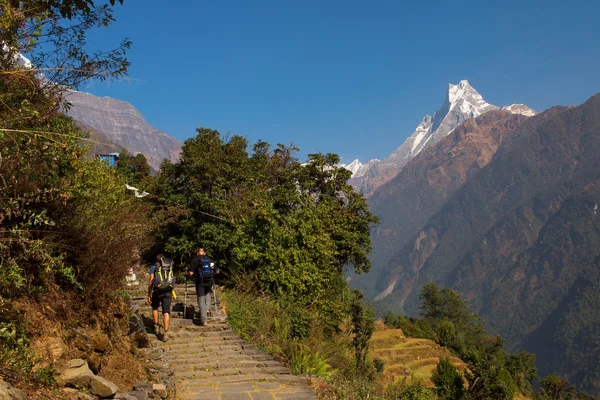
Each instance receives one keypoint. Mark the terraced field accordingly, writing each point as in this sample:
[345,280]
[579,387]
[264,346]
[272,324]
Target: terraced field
[408,357]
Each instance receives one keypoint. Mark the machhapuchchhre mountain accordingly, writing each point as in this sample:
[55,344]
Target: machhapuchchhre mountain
[418,191]
[124,125]
[462,102]
[505,210]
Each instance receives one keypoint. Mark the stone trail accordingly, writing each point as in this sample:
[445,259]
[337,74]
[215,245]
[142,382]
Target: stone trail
[213,363]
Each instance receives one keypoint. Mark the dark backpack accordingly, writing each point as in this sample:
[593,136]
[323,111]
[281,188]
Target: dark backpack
[163,276]
[205,273]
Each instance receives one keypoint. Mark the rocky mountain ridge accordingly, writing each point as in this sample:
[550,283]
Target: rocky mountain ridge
[124,125]
[461,103]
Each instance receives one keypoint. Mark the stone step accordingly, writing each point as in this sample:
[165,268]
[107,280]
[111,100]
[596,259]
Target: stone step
[187,343]
[203,348]
[178,341]
[199,375]
[225,356]
[179,330]
[190,359]
[175,348]
[182,340]
[178,325]
[211,365]
[212,352]
[191,385]
[190,323]
[245,390]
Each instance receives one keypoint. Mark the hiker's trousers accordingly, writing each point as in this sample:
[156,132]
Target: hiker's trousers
[204,301]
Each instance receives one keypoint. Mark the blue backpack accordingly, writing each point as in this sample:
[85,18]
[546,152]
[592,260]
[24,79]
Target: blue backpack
[205,272]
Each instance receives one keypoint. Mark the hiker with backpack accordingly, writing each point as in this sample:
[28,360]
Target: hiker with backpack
[203,271]
[161,292]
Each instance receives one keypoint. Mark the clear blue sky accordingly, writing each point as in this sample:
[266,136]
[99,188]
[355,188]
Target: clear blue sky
[353,78]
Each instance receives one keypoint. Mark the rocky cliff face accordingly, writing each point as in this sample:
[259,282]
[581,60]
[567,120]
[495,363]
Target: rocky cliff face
[462,102]
[99,143]
[124,126]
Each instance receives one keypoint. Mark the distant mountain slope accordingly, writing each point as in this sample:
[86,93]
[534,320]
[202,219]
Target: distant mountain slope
[462,102]
[124,126]
[406,202]
[521,240]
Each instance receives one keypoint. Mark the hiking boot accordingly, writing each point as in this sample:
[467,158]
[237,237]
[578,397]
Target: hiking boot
[156,329]
[164,337]
[203,323]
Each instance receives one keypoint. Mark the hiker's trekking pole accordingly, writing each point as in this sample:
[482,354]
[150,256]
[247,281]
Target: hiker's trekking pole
[185,299]
[215,299]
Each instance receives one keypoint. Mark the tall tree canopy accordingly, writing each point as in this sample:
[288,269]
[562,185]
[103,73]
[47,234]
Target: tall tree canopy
[275,224]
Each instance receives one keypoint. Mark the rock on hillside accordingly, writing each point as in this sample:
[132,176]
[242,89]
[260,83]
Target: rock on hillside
[521,241]
[124,126]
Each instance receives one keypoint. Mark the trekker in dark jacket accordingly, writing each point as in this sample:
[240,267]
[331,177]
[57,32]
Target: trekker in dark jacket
[202,269]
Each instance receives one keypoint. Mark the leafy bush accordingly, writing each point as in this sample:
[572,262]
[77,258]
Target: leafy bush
[447,335]
[413,389]
[379,365]
[448,380]
[304,360]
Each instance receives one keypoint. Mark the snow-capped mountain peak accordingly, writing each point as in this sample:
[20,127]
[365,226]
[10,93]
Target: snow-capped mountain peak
[519,109]
[467,99]
[462,102]
[455,92]
[353,167]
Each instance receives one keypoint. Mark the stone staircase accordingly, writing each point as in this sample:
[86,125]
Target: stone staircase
[213,362]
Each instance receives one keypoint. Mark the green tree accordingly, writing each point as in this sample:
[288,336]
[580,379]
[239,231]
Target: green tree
[447,335]
[68,229]
[555,388]
[523,370]
[448,380]
[363,326]
[440,306]
[486,374]
[274,224]
[135,169]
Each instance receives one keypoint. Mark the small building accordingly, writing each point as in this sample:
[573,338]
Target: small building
[111,158]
